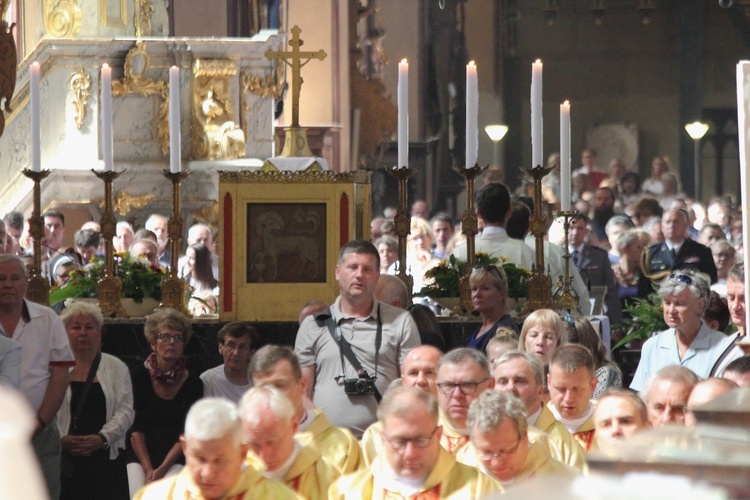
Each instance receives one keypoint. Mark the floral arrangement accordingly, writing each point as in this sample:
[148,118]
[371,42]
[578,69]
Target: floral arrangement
[446,276]
[641,320]
[139,279]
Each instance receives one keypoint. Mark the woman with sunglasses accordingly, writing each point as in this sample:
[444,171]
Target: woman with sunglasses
[688,342]
[489,289]
[163,391]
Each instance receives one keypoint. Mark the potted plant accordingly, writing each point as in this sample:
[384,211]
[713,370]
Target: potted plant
[140,281]
[446,279]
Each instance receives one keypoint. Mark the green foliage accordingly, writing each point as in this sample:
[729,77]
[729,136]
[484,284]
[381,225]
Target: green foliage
[446,277]
[642,319]
[139,280]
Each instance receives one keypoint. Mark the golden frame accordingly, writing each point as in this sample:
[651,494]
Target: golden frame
[340,201]
[113,22]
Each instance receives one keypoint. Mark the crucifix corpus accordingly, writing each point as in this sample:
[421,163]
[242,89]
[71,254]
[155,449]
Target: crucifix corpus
[296,136]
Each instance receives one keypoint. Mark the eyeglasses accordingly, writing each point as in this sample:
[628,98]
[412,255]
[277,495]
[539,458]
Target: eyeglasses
[237,347]
[166,337]
[489,455]
[399,444]
[464,388]
[681,278]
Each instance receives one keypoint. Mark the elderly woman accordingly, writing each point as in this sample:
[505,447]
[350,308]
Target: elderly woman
[489,289]
[688,342]
[96,413]
[163,389]
[628,272]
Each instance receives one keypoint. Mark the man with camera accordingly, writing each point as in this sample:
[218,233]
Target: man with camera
[351,351]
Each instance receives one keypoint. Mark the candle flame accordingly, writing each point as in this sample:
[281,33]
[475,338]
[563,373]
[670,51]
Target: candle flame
[404,61]
[566,103]
[471,63]
[538,61]
[105,66]
[35,64]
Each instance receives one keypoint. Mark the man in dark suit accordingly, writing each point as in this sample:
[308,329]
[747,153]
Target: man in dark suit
[593,262]
[675,252]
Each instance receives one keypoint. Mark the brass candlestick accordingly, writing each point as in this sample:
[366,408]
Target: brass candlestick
[403,222]
[565,297]
[469,228]
[38,290]
[540,283]
[172,286]
[109,287]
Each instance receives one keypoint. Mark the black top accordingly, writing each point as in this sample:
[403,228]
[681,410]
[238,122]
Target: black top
[94,413]
[161,421]
[692,255]
[481,342]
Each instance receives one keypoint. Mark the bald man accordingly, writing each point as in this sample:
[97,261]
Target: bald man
[391,290]
[705,391]
[419,369]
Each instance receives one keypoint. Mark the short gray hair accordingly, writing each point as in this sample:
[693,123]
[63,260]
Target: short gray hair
[737,272]
[82,309]
[403,401]
[534,363]
[466,355]
[698,283]
[391,290]
[618,220]
[491,409]
[257,399]
[673,373]
[214,418]
[627,238]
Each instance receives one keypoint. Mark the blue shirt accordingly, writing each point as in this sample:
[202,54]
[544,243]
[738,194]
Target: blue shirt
[661,351]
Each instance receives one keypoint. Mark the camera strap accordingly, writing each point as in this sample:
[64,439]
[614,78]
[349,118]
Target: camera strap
[345,350]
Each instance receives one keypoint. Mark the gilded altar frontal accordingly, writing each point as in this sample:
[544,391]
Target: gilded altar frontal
[281,236]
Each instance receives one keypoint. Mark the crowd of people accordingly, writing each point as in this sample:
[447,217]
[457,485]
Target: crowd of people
[199,266]
[360,407]
[372,401]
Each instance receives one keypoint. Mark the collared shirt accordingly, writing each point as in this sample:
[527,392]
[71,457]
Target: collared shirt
[44,343]
[315,346]
[661,350]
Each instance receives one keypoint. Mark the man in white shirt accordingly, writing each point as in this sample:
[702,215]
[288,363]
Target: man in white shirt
[493,212]
[237,341]
[45,360]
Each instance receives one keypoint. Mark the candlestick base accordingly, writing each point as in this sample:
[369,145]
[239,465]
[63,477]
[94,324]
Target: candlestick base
[565,297]
[38,289]
[173,287]
[402,221]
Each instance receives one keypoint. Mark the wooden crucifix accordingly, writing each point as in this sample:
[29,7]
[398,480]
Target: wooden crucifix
[294,58]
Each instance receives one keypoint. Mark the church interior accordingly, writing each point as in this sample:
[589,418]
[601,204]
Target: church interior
[278,126]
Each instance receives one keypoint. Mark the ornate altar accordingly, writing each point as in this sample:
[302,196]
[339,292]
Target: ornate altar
[281,234]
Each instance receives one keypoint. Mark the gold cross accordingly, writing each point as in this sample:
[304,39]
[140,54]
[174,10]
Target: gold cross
[294,59]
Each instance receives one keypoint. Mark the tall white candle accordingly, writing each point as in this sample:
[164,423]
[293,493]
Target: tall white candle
[565,156]
[106,116]
[403,114]
[175,153]
[743,120]
[472,115]
[35,122]
[536,113]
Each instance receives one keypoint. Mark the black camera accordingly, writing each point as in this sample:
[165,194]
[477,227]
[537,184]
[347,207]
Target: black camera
[359,386]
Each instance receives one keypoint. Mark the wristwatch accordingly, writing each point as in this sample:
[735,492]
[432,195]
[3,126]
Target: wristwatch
[105,443]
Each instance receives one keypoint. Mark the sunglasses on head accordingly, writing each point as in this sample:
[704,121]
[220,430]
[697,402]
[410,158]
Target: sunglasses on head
[681,278]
